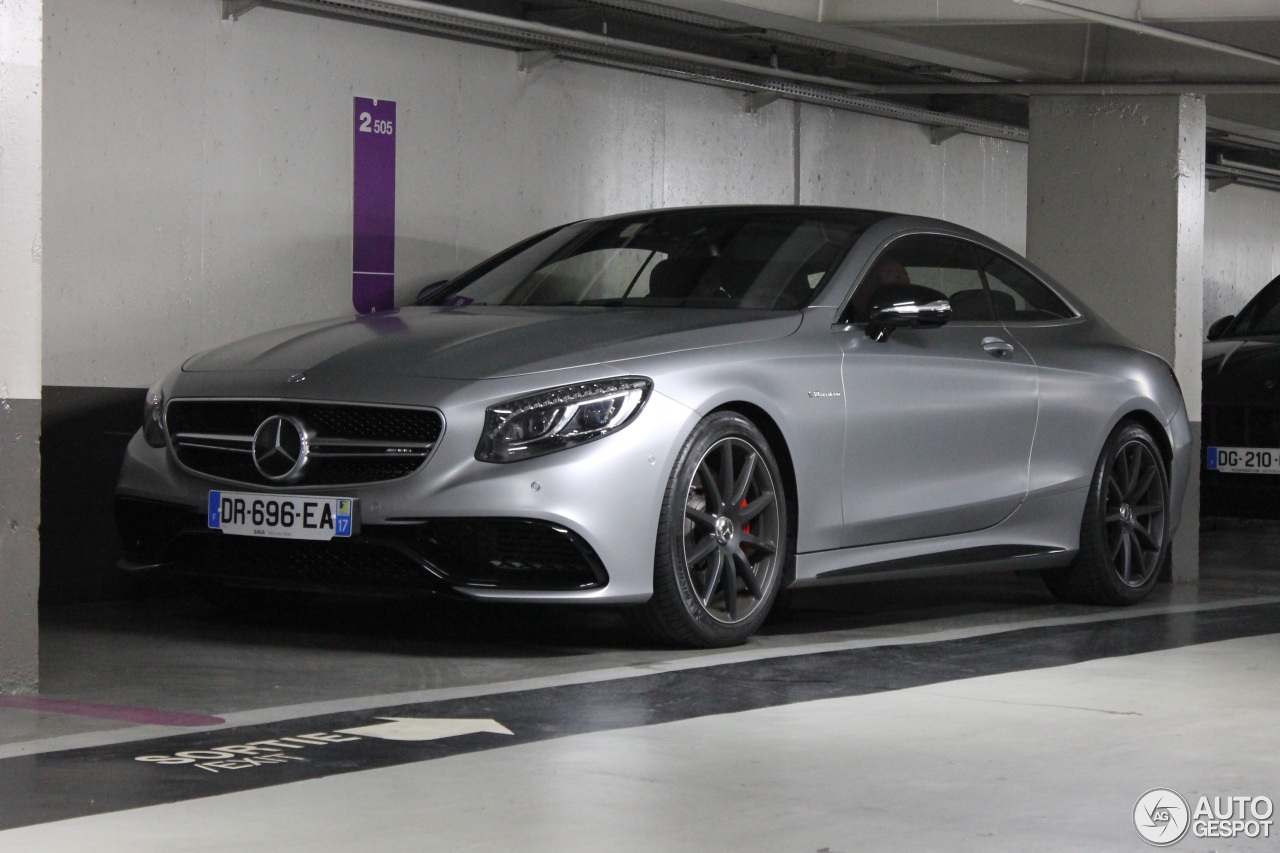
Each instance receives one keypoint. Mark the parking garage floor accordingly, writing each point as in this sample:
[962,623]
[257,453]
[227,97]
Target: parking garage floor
[965,714]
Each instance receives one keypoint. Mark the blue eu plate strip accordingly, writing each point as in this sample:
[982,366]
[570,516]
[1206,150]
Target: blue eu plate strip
[343,519]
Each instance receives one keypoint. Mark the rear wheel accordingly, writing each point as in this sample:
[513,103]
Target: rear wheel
[722,537]
[1124,534]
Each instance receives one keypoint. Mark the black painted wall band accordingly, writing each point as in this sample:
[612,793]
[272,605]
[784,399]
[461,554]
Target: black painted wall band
[84,435]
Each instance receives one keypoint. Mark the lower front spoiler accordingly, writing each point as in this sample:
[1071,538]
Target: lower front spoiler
[456,555]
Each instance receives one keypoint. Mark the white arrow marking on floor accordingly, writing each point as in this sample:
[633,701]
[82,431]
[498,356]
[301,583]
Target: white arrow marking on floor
[416,728]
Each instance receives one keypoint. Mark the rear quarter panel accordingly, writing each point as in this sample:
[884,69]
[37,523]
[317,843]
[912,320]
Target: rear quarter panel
[1090,380]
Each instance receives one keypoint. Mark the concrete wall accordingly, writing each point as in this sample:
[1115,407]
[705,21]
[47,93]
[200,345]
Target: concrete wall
[20,253]
[1115,209]
[200,189]
[861,161]
[1241,247]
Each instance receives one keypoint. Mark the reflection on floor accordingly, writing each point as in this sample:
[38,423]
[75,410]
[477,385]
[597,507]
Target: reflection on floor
[962,714]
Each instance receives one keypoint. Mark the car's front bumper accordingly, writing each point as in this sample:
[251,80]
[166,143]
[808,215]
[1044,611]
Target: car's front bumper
[577,525]
[435,555]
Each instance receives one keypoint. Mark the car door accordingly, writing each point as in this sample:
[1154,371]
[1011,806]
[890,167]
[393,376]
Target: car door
[1077,392]
[939,421]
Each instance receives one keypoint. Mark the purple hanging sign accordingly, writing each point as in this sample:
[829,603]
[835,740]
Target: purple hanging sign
[373,253]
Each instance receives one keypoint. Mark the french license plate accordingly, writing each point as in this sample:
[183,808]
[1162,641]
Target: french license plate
[1244,460]
[280,516]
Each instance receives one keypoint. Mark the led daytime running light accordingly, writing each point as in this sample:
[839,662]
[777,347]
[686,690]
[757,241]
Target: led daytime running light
[558,418]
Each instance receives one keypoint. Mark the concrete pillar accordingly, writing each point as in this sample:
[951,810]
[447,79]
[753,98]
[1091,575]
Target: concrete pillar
[1115,210]
[20,335]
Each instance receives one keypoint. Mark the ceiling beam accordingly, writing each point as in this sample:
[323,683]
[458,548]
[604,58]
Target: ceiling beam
[939,135]
[756,101]
[1147,30]
[893,13]
[1183,87]
[233,9]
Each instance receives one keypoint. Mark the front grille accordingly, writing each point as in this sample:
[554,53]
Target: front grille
[348,444]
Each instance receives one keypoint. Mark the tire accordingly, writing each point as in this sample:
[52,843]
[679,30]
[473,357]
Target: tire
[722,541]
[1124,533]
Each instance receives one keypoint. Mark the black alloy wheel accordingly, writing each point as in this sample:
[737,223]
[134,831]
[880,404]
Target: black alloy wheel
[1124,534]
[1134,518]
[722,538]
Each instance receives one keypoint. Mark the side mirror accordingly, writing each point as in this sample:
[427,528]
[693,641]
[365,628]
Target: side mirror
[897,306]
[1219,327]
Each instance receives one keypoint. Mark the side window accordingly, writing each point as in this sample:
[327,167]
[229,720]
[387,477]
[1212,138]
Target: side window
[1261,316]
[1018,295]
[944,265]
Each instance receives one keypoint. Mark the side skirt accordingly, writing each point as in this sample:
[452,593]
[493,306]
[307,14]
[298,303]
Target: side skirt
[1041,533]
[990,558]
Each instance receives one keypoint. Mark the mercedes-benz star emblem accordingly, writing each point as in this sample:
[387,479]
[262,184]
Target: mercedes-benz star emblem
[280,447]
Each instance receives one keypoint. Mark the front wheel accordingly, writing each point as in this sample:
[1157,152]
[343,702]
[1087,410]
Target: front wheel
[1124,534]
[722,537]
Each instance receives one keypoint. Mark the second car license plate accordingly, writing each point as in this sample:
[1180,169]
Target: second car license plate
[280,516]
[1244,460]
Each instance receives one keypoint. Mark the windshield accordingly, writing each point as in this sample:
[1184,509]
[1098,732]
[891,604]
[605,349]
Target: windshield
[1261,316]
[772,259]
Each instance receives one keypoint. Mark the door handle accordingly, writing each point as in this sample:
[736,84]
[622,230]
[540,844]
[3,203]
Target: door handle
[997,347]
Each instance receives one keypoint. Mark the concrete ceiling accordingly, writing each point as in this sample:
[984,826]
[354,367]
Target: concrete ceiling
[968,52]
[1052,42]
[964,64]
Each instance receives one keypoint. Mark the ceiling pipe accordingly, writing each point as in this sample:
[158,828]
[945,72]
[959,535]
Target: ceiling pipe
[1148,30]
[1055,88]
[830,98]
[1243,135]
[1248,167]
[600,49]
[549,41]
[1224,176]
[514,31]
[724,26]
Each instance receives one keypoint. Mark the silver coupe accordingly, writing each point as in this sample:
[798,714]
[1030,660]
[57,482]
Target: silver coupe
[684,411]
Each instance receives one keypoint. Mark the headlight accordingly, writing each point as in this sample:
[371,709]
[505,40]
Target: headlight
[557,418]
[153,416]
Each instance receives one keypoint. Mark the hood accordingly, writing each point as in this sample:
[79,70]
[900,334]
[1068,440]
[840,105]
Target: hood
[1242,370]
[482,342]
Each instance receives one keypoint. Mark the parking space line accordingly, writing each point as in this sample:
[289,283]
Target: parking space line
[280,713]
[122,713]
[197,764]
